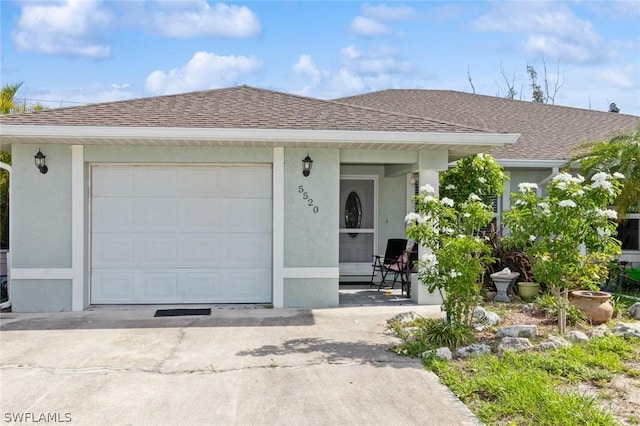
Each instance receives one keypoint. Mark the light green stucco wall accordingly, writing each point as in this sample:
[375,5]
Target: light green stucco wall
[392,201]
[40,295]
[41,208]
[520,176]
[310,292]
[311,239]
[42,213]
[176,154]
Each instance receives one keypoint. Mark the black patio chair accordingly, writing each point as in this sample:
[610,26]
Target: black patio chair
[409,267]
[384,264]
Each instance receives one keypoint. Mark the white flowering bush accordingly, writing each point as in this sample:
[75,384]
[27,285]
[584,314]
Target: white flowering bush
[454,255]
[479,175]
[569,234]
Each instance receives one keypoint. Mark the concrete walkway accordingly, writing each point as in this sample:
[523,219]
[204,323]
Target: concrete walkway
[236,367]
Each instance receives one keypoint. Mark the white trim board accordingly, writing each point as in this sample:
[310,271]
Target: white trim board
[278,228]
[42,274]
[270,136]
[311,273]
[77,227]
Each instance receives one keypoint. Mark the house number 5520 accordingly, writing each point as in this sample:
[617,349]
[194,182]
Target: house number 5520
[307,199]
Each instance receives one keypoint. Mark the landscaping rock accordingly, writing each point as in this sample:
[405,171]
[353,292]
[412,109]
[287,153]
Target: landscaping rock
[577,336]
[552,342]
[514,344]
[627,329]
[492,318]
[600,331]
[477,349]
[634,310]
[483,319]
[404,317]
[517,331]
[442,353]
[479,312]
[528,308]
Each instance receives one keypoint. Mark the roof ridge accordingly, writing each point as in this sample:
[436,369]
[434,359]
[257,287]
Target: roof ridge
[497,98]
[429,119]
[387,113]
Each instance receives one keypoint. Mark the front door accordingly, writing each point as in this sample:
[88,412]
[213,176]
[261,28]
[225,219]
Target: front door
[358,224]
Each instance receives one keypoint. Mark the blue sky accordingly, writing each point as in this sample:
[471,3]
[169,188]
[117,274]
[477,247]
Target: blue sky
[81,51]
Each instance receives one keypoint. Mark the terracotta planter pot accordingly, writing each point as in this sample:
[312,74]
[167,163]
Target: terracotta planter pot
[595,304]
[528,291]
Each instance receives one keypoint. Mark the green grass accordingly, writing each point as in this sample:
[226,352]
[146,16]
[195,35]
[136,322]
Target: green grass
[430,333]
[540,388]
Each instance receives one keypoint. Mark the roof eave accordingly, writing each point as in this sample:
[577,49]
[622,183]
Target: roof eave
[55,134]
[530,164]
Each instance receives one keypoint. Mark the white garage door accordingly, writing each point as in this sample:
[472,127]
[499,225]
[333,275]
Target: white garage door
[181,234]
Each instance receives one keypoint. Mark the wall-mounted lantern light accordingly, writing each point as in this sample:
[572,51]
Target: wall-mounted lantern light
[306,165]
[40,162]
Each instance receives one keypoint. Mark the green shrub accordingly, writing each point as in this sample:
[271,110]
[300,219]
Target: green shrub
[439,333]
[548,303]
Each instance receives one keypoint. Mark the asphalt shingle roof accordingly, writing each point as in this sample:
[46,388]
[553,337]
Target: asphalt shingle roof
[241,107]
[548,132]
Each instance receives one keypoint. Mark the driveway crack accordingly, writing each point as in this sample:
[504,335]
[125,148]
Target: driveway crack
[171,353]
[205,370]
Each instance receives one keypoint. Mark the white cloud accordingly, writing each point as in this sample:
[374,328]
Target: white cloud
[620,78]
[307,67]
[69,27]
[198,18]
[205,70]
[620,9]
[368,27]
[383,12]
[381,61]
[359,71]
[371,25]
[73,96]
[548,28]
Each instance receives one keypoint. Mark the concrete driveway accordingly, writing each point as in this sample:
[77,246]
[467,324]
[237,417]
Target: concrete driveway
[235,367]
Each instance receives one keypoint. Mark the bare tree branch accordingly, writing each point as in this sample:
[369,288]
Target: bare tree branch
[470,81]
[511,91]
[558,82]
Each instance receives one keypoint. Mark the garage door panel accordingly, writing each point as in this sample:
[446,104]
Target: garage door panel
[204,285]
[201,250]
[248,182]
[243,215]
[203,214]
[152,213]
[155,181]
[113,250]
[112,181]
[184,234]
[113,287]
[153,286]
[112,214]
[157,250]
[250,250]
[197,182]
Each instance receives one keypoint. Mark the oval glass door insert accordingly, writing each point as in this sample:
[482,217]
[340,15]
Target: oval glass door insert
[353,212]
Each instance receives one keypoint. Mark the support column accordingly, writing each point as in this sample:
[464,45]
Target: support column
[77,227]
[430,164]
[278,228]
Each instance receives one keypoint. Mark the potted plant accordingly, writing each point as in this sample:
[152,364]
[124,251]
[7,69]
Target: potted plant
[567,235]
[528,290]
[514,260]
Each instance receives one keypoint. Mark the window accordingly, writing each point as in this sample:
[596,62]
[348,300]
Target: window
[628,234]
